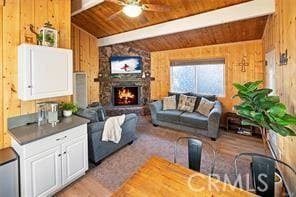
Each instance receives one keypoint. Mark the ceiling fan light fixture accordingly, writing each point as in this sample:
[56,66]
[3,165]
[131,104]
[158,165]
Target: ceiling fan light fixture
[132,10]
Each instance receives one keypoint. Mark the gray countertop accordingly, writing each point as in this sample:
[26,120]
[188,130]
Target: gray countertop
[32,132]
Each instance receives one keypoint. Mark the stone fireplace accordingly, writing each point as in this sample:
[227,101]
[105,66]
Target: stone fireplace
[108,81]
[126,95]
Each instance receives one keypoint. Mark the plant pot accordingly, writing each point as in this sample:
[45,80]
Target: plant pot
[67,113]
[278,185]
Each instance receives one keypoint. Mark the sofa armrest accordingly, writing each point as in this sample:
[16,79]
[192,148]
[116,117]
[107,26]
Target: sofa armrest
[131,117]
[130,123]
[154,108]
[214,120]
[95,127]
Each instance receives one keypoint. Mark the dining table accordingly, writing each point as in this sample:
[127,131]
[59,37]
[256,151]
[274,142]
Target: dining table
[160,177]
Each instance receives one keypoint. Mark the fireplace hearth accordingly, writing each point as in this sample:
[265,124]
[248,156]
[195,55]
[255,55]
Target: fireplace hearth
[125,95]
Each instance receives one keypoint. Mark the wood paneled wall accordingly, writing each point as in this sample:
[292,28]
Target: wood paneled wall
[1,79]
[280,35]
[15,18]
[86,59]
[233,54]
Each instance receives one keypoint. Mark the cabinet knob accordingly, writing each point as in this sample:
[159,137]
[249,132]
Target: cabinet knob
[29,86]
[65,152]
[59,155]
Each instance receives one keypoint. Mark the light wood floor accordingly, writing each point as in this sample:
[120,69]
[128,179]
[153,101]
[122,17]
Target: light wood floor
[87,186]
[229,144]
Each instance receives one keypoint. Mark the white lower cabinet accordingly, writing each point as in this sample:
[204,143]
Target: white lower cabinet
[50,164]
[74,160]
[43,173]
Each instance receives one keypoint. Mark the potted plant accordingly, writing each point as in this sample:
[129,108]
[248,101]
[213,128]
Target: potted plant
[263,110]
[47,40]
[69,108]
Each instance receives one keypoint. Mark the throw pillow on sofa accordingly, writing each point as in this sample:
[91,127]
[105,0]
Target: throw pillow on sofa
[169,103]
[199,96]
[205,106]
[177,94]
[186,103]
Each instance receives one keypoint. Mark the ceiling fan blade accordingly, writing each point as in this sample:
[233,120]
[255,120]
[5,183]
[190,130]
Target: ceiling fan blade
[114,15]
[118,2]
[156,8]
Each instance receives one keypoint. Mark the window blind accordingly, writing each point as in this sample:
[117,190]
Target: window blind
[197,62]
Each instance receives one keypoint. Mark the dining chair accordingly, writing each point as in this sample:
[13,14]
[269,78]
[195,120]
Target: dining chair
[263,170]
[195,149]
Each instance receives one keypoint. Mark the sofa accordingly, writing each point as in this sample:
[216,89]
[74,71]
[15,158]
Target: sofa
[98,149]
[186,121]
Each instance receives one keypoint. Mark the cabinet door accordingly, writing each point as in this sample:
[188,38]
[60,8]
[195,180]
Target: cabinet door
[43,173]
[51,72]
[75,158]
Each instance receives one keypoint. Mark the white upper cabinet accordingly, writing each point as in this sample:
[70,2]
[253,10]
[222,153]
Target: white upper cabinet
[44,72]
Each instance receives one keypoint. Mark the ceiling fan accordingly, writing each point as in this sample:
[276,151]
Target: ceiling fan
[133,8]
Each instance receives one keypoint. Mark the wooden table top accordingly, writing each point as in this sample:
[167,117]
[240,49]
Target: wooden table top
[159,177]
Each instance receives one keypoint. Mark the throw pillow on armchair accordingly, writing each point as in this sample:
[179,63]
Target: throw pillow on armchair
[102,116]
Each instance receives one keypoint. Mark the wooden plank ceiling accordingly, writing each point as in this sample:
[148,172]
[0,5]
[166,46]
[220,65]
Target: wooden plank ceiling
[250,29]
[95,21]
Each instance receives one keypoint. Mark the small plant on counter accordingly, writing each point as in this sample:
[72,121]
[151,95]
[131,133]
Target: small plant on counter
[69,108]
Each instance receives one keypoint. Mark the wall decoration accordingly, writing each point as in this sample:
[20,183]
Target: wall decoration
[243,64]
[29,39]
[143,75]
[147,74]
[284,58]
[99,77]
[39,42]
[48,35]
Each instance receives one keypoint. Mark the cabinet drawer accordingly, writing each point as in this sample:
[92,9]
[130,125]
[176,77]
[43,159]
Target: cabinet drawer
[44,144]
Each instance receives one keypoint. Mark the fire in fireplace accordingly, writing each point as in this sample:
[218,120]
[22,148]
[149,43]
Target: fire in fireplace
[125,95]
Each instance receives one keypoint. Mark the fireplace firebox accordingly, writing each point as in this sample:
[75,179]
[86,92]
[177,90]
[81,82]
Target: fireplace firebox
[126,95]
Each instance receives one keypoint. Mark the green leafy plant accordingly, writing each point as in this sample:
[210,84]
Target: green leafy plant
[48,38]
[39,38]
[262,110]
[70,107]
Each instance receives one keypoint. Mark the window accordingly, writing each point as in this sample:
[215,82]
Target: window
[201,77]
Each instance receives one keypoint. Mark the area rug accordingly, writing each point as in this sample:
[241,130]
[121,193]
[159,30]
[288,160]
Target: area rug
[117,168]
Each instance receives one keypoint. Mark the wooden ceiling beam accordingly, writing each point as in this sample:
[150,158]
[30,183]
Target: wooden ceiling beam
[82,5]
[248,10]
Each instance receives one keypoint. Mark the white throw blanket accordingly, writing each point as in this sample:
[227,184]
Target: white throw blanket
[112,129]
